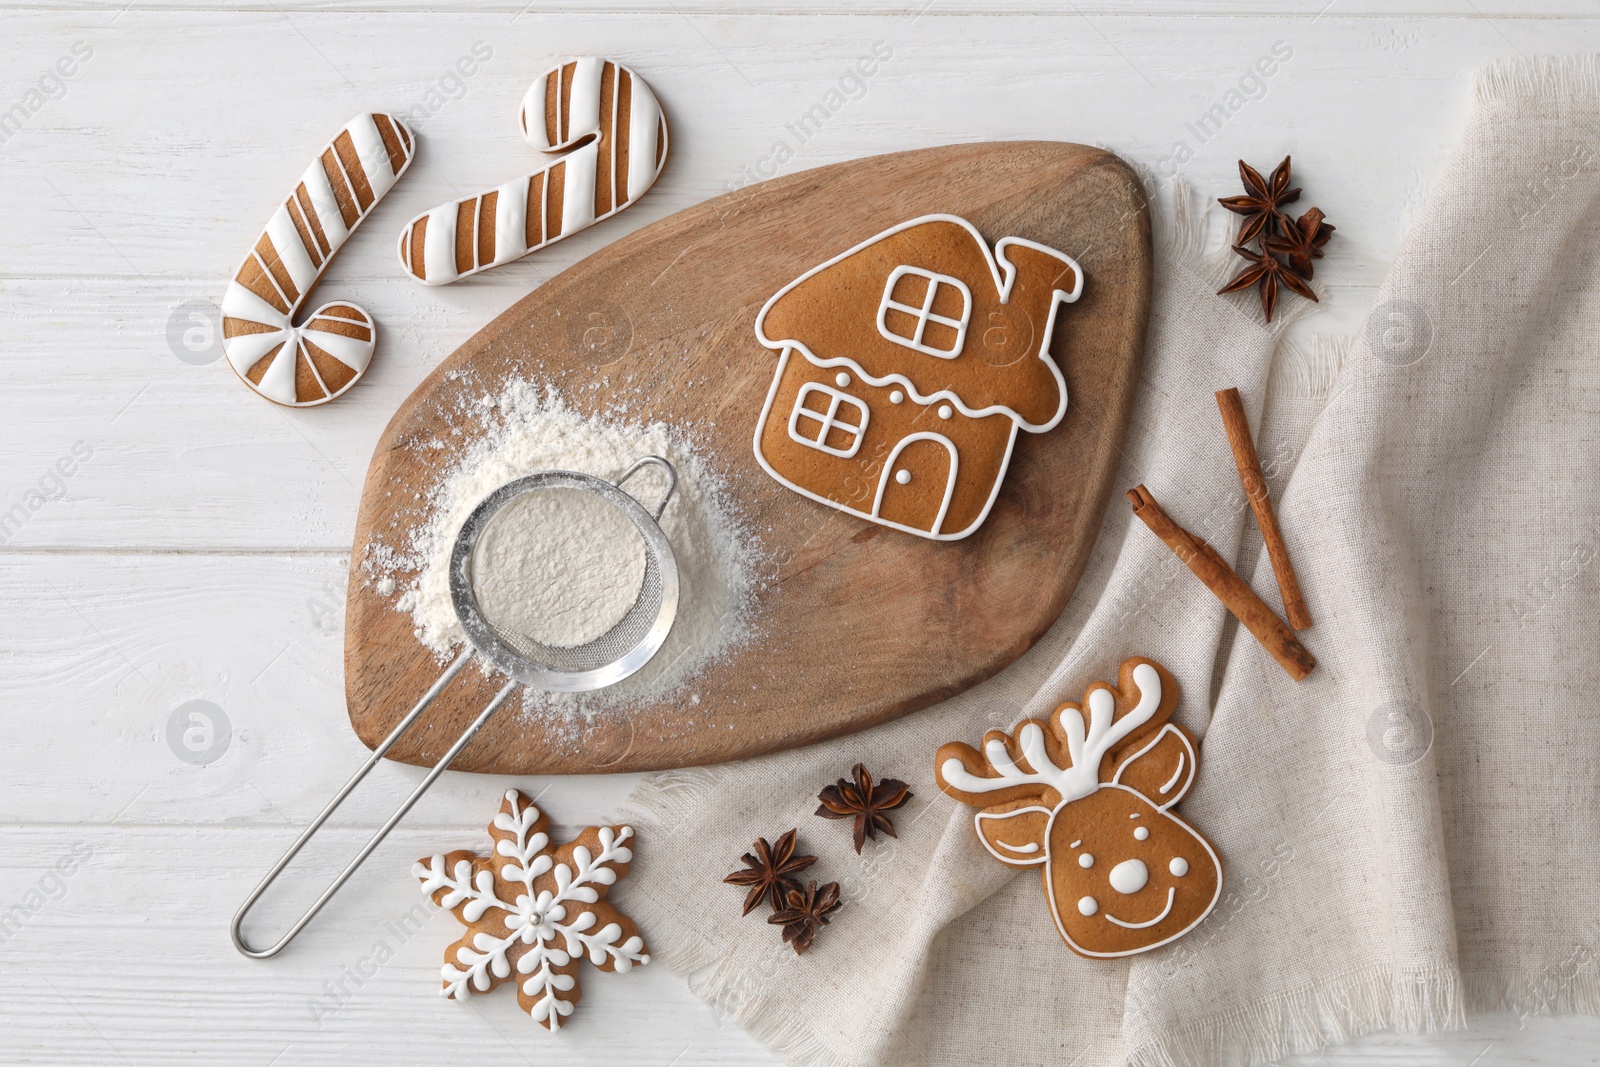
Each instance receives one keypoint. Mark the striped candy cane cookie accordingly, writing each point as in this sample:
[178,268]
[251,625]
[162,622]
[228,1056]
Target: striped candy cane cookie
[611,121]
[302,366]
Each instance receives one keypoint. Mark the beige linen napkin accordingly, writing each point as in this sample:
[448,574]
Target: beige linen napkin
[1409,831]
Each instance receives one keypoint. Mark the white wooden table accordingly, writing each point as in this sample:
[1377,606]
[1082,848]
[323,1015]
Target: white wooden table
[182,540]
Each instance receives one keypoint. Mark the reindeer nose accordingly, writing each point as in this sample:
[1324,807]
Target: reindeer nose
[1129,876]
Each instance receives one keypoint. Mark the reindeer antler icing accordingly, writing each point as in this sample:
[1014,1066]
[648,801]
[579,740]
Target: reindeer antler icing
[1080,773]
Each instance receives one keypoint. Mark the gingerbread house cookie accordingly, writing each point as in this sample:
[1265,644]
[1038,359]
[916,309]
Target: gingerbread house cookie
[906,366]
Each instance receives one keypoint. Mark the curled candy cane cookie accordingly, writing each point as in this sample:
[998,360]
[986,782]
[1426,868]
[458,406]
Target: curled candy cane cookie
[609,124]
[302,366]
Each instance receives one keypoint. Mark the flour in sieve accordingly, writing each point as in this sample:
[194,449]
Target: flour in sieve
[561,566]
[527,429]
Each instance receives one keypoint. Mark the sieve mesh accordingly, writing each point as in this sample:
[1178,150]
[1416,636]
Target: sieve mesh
[609,646]
[614,655]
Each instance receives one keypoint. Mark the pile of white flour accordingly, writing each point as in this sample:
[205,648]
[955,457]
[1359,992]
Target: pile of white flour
[561,566]
[562,571]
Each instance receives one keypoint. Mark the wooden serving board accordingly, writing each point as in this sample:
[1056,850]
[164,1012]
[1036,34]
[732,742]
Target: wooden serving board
[863,623]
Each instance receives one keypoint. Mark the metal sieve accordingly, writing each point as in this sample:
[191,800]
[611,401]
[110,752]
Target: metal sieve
[614,655]
[606,660]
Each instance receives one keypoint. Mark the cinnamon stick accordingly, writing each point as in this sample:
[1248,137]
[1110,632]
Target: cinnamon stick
[1255,488]
[1251,611]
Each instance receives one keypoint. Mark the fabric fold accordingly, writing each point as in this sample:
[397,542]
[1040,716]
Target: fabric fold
[1427,857]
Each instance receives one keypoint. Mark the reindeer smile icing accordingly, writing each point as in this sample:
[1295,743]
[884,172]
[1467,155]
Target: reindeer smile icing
[1171,894]
[1086,797]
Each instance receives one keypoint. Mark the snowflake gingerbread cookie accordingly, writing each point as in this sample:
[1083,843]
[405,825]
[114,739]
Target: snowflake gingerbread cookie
[1087,797]
[534,910]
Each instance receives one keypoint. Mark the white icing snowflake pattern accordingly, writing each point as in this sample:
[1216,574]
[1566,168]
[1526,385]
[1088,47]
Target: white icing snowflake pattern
[534,910]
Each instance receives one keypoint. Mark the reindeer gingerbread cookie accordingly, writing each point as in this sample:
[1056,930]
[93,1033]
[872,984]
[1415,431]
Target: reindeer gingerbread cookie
[1087,797]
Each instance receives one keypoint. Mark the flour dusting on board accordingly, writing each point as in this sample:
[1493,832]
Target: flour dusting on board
[529,430]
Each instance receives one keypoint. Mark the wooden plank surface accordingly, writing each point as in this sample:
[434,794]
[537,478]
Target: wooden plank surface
[208,536]
[825,661]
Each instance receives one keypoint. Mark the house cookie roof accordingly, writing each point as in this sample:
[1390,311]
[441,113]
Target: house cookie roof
[839,314]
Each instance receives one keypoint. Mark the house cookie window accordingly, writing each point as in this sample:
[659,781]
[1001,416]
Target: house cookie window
[925,312]
[828,420]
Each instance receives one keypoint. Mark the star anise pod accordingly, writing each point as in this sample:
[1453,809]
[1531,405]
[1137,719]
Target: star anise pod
[1263,201]
[1302,241]
[807,912]
[1269,272]
[770,872]
[864,802]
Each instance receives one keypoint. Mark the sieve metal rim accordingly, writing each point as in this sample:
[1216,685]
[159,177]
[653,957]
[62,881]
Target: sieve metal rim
[482,637]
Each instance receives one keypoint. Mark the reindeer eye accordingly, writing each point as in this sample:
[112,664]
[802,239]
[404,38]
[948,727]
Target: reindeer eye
[1088,906]
[1086,861]
[1179,866]
[1141,832]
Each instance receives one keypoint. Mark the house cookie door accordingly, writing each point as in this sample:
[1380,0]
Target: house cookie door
[917,483]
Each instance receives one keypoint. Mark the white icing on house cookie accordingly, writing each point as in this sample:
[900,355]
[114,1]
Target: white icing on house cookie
[906,367]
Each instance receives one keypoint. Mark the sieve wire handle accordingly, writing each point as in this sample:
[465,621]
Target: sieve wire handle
[383,831]
[672,481]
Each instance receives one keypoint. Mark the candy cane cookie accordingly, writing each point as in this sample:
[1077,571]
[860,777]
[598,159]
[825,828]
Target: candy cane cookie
[611,121]
[302,366]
